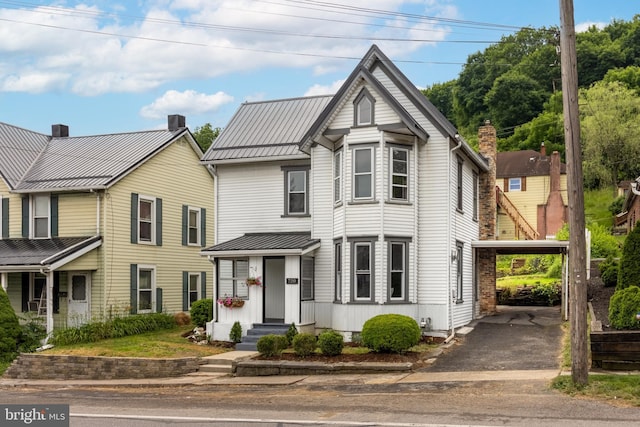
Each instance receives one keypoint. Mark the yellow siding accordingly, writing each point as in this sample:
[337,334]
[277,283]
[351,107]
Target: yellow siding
[87,262]
[15,211]
[77,214]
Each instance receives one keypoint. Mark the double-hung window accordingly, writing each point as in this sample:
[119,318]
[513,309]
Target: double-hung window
[337,177]
[41,215]
[398,271]
[146,220]
[296,184]
[362,281]
[232,278]
[306,290]
[4,218]
[337,254]
[459,267]
[193,226]
[475,196]
[363,173]
[515,184]
[146,288]
[194,287]
[459,185]
[399,174]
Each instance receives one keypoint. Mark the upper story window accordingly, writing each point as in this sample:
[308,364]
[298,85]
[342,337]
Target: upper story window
[337,177]
[193,226]
[364,109]
[146,219]
[399,174]
[475,196]
[296,182]
[459,185]
[232,278]
[459,269]
[363,173]
[40,216]
[515,184]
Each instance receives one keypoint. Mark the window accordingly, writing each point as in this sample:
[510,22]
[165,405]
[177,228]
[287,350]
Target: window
[306,291]
[40,216]
[459,184]
[38,288]
[337,253]
[459,265]
[398,271]
[364,109]
[232,278]
[145,220]
[194,226]
[337,177]
[475,196]
[363,173]
[146,288]
[296,184]
[194,288]
[399,173]
[362,268]
[515,184]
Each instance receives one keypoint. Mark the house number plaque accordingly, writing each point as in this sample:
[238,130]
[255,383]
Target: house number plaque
[292,280]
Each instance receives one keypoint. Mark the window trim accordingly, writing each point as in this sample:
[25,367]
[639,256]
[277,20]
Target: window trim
[476,183]
[337,270]
[355,243]
[357,102]
[514,180]
[198,226]
[152,290]
[287,169]
[235,280]
[371,173]
[337,177]
[198,291]
[152,200]
[459,271]
[459,187]
[392,174]
[405,270]
[304,278]
[33,217]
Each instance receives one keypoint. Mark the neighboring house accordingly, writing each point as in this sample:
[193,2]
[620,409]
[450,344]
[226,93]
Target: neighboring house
[531,194]
[103,225]
[346,207]
[631,208]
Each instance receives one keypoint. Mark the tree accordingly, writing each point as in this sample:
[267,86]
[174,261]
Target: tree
[610,133]
[629,76]
[597,53]
[10,330]
[629,273]
[441,96]
[205,135]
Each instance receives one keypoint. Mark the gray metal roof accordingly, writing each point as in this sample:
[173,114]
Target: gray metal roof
[265,241]
[266,129]
[85,162]
[29,252]
[18,150]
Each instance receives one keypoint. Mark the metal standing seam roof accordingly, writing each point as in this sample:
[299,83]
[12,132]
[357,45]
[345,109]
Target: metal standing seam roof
[91,161]
[266,129]
[265,241]
[19,148]
[29,252]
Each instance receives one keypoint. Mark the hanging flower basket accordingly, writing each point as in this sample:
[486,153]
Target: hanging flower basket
[253,281]
[231,302]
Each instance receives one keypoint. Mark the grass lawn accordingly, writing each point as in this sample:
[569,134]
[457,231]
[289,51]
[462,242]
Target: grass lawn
[512,282]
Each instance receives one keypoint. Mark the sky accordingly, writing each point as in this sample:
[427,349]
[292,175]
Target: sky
[112,66]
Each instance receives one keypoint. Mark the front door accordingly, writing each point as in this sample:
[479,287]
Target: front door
[79,296]
[274,290]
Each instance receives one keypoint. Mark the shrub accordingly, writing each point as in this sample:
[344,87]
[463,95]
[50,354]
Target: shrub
[623,307]
[202,311]
[182,318]
[603,244]
[629,274]
[503,296]
[555,269]
[235,335]
[9,329]
[271,345]
[291,333]
[32,333]
[330,343]
[390,333]
[304,344]
[549,292]
[609,272]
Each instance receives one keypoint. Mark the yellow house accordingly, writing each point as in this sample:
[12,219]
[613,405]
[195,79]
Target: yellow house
[531,194]
[103,225]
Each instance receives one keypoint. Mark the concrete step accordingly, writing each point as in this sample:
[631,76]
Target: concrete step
[249,341]
[223,363]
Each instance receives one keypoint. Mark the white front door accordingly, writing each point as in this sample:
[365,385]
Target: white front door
[79,296]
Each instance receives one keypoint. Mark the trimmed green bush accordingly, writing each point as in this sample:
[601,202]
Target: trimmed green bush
[629,274]
[623,308]
[271,345]
[390,333]
[9,329]
[32,333]
[291,333]
[235,335]
[202,312]
[549,292]
[304,344]
[330,343]
[609,269]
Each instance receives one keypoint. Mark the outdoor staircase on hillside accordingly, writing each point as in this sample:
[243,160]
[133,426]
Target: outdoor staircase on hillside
[250,340]
[521,223]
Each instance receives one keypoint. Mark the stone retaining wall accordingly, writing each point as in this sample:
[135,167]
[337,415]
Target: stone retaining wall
[254,368]
[55,367]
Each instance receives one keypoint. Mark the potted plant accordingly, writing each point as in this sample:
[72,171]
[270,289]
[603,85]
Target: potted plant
[253,281]
[230,302]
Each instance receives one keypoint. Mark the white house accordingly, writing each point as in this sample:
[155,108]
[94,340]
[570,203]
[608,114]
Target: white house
[346,207]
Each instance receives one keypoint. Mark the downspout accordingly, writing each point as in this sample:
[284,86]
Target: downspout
[449,293]
[49,285]
[104,248]
[212,259]
[416,211]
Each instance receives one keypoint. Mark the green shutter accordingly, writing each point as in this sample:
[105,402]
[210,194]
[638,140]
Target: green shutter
[158,300]
[203,227]
[159,222]
[134,218]
[185,225]
[185,291]
[25,217]
[203,284]
[54,215]
[4,232]
[25,292]
[56,292]
[134,288]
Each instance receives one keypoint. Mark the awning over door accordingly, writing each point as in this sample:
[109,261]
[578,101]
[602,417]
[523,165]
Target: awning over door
[265,244]
[36,254]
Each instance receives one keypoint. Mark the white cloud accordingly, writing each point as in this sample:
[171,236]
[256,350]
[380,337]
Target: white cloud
[187,102]
[584,26]
[324,90]
[33,82]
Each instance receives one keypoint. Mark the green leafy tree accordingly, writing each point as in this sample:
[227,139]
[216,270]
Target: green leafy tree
[441,96]
[629,76]
[596,53]
[629,272]
[10,330]
[205,135]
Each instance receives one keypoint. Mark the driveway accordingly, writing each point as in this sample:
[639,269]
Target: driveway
[516,338]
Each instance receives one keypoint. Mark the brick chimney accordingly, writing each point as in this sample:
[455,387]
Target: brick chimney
[59,131]
[176,122]
[543,149]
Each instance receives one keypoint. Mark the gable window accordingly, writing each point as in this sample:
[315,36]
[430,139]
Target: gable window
[337,177]
[475,196]
[146,219]
[362,268]
[399,173]
[398,271]
[40,210]
[232,278]
[146,288]
[306,290]
[459,184]
[515,184]
[337,254]
[296,190]
[4,218]
[364,109]
[363,173]
[459,266]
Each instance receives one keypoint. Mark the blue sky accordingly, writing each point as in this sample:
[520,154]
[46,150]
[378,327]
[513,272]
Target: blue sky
[109,66]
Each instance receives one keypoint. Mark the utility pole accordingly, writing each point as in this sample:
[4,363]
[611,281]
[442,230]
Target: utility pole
[577,242]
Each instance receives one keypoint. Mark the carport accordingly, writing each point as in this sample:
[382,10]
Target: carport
[485,252]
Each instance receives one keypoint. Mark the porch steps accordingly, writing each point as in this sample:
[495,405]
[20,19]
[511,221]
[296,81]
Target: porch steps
[249,341]
[221,364]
